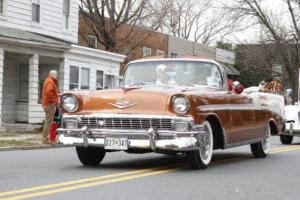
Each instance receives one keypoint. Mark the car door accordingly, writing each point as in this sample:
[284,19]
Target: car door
[242,117]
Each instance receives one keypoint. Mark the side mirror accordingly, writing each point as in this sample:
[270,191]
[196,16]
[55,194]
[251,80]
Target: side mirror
[237,87]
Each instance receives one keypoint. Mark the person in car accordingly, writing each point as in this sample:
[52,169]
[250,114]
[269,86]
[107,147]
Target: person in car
[162,77]
[237,90]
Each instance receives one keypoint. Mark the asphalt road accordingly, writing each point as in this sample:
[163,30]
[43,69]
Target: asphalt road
[234,174]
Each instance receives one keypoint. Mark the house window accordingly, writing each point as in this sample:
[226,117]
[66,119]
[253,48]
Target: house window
[36,12]
[174,55]
[85,79]
[74,78]
[79,78]
[92,41]
[160,53]
[1,6]
[146,51]
[99,80]
[109,82]
[66,14]
[23,82]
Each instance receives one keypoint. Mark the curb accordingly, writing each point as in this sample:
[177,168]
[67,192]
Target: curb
[32,147]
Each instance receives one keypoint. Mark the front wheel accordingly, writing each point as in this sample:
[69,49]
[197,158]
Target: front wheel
[90,156]
[286,139]
[201,158]
[261,149]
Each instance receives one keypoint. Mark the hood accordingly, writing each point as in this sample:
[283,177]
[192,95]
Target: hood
[137,100]
[129,101]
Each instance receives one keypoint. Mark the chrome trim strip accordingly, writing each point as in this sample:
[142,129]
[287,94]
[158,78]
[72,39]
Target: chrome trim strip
[105,115]
[122,132]
[217,107]
[236,144]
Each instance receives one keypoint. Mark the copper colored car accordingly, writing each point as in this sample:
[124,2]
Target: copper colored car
[180,105]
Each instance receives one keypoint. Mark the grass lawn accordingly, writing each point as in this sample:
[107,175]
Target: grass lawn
[9,143]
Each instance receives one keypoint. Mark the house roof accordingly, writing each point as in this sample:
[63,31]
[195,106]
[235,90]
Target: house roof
[21,36]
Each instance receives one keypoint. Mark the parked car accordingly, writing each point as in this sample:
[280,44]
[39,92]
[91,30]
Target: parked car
[292,124]
[179,105]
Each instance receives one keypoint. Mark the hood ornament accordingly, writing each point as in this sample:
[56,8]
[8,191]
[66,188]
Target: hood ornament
[121,104]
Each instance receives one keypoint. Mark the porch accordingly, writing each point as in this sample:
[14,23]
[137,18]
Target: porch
[23,78]
[24,65]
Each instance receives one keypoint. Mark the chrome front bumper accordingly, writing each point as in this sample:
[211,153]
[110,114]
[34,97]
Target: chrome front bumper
[137,139]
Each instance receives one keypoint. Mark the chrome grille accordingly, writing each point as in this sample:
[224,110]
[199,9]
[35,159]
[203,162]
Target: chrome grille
[126,123]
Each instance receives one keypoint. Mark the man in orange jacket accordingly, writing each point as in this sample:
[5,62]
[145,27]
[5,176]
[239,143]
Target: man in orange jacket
[50,100]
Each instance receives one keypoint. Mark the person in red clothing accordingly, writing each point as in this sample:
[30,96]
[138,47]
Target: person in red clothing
[50,100]
[237,90]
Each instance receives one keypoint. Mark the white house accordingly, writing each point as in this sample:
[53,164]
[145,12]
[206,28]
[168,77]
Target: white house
[39,35]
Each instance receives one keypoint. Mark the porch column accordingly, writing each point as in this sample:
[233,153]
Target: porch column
[1,80]
[63,83]
[33,88]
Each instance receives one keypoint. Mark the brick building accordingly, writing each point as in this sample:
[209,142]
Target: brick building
[141,44]
[151,43]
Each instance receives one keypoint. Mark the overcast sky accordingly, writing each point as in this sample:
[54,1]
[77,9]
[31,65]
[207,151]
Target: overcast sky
[252,34]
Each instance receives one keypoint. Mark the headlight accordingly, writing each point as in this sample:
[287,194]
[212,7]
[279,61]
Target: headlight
[180,104]
[69,103]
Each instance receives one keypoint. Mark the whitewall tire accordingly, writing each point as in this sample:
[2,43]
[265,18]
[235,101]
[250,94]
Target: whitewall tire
[261,149]
[201,158]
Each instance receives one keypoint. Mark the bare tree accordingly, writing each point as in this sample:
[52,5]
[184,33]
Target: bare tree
[107,19]
[198,20]
[281,29]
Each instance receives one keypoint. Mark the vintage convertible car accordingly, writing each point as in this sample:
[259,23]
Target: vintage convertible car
[180,105]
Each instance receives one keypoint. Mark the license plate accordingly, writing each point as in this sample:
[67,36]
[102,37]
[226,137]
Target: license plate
[116,143]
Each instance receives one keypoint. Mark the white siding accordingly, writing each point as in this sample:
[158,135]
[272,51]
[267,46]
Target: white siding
[205,51]
[103,61]
[180,46]
[18,15]
[184,47]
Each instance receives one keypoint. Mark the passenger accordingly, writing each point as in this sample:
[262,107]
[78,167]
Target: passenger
[237,90]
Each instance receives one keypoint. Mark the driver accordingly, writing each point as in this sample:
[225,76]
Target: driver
[162,76]
[214,79]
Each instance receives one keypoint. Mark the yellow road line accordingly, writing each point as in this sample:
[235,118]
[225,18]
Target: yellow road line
[67,183]
[285,147]
[97,183]
[285,150]
[118,177]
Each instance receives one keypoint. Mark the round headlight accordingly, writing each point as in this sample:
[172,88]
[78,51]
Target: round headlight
[180,104]
[70,103]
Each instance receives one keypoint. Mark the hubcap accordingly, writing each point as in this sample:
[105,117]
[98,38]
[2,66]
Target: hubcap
[206,144]
[266,140]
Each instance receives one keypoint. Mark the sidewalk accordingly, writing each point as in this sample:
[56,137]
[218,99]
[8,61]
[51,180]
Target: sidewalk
[13,141]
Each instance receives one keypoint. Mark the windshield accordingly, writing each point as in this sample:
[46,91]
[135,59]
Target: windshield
[173,73]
